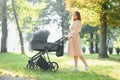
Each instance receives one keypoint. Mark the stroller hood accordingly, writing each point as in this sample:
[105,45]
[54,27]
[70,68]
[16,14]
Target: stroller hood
[40,36]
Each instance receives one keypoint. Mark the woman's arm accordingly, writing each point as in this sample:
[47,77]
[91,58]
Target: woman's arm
[76,29]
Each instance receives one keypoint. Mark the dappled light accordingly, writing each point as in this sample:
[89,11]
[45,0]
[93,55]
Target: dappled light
[99,68]
[60,39]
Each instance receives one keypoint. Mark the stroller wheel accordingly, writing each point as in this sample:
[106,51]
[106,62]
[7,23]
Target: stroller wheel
[27,66]
[53,66]
[30,65]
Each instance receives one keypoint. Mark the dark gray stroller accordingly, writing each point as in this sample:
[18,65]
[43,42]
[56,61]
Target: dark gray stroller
[39,43]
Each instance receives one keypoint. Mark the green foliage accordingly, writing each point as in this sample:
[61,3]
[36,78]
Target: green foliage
[89,12]
[13,64]
[55,13]
[28,14]
[94,12]
[88,29]
[117,38]
[113,12]
[85,34]
[113,37]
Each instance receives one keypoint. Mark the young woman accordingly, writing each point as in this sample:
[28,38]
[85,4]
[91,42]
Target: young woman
[74,48]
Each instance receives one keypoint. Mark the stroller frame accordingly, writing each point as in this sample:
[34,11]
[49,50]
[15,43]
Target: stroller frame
[53,66]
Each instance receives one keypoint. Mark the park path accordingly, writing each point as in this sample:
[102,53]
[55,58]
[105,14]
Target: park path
[11,78]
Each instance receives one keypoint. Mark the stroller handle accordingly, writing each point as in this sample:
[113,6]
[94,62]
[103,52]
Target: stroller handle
[61,39]
[57,42]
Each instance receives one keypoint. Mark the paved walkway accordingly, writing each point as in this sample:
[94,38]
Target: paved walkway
[11,78]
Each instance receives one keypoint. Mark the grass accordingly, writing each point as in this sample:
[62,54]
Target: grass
[100,69]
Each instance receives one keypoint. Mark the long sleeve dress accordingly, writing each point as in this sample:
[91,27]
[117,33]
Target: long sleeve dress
[74,48]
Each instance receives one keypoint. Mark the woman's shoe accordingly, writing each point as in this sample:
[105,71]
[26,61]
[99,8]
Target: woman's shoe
[75,69]
[86,68]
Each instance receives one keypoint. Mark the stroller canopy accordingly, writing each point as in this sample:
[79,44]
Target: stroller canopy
[40,36]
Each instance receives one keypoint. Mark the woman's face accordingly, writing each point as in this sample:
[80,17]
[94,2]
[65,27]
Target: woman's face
[74,16]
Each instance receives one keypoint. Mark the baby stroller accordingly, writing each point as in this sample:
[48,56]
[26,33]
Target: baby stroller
[39,43]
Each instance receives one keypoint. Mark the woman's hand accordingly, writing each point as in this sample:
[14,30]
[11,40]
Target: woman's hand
[65,36]
[69,36]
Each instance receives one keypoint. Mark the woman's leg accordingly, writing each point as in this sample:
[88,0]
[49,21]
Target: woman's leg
[83,60]
[76,61]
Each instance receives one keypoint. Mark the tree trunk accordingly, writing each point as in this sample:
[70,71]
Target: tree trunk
[0,12]
[117,50]
[62,26]
[62,16]
[4,27]
[91,43]
[18,27]
[96,44]
[103,36]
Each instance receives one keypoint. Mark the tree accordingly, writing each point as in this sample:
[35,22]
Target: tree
[55,8]
[4,27]
[91,38]
[19,30]
[28,15]
[117,40]
[108,14]
[64,14]
[0,11]
[103,30]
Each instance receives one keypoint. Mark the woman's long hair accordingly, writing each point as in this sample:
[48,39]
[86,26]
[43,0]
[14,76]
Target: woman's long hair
[78,15]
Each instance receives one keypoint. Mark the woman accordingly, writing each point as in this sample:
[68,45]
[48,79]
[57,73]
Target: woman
[74,48]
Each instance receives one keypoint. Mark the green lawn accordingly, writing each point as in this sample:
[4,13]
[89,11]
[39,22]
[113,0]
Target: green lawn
[100,69]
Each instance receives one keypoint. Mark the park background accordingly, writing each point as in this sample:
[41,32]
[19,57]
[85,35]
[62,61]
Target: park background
[100,35]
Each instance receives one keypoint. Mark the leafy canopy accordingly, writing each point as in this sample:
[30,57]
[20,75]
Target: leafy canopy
[92,10]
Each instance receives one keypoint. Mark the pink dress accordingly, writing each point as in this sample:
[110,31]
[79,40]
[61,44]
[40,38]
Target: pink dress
[74,48]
